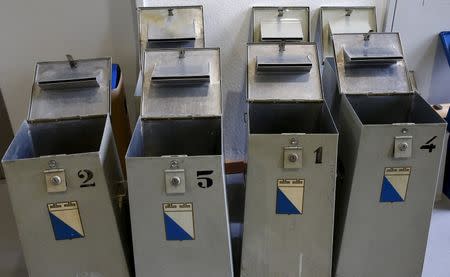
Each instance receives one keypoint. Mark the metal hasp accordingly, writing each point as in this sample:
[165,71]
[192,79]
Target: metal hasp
[64,175]
[291,172]
[271,24]
[175,168]
[339,20]
[390,147]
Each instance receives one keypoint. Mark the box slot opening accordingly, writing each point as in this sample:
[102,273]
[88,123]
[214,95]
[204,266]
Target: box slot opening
[390,109]
[64,137]
[191,137]
[278,118]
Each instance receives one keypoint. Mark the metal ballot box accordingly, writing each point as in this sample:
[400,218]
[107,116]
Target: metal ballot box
[340,20]
[390,147]
[64,175]
[271,24]
[168,27]
[291,173]
[175,168]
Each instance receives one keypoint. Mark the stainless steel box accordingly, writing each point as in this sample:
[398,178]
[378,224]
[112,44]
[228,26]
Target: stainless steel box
[175,168]
[64,176]
[271,24]
[390,148]
[291,172]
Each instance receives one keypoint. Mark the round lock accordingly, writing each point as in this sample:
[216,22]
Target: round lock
[175,181]
[56,180]
[403,146]
[293,158]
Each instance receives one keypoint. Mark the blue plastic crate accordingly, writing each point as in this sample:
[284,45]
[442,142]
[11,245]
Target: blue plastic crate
[445,39]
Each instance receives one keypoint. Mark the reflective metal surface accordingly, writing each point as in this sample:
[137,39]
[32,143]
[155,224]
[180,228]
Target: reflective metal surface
[60,91]
[277,23]
[381,78]
[337,20]
[300,85]
[200,99]
[170,27]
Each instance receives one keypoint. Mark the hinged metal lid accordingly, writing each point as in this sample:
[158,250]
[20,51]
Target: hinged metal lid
[339,20]
[70,89]
[180,83]
[280,23]
[279,72]
[171,27]
[370,63]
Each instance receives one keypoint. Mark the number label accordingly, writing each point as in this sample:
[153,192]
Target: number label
[86,175]
[203,180]
[319,152]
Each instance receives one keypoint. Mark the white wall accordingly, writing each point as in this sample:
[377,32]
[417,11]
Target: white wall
[423,49]
[48,29]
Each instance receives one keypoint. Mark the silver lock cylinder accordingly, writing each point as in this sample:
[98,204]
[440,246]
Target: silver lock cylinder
[55,180]
[292,157]
[175,181]
[402,147]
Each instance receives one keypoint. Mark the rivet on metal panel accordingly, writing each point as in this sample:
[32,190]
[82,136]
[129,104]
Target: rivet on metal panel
[404,131]
[52,164]
[280,12]
[174,164]
[293,141]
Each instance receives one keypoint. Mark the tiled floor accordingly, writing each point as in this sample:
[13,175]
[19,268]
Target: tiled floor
[436,262]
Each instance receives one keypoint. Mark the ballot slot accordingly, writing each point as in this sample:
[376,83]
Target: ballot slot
[283,63]
[272,24]
[181,74]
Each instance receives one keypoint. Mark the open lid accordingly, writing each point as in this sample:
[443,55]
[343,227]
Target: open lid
[181,83]
[70,89]
[370,63]
[280,23]
[171,27]
[279,72]
[339,20]
[445,39]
